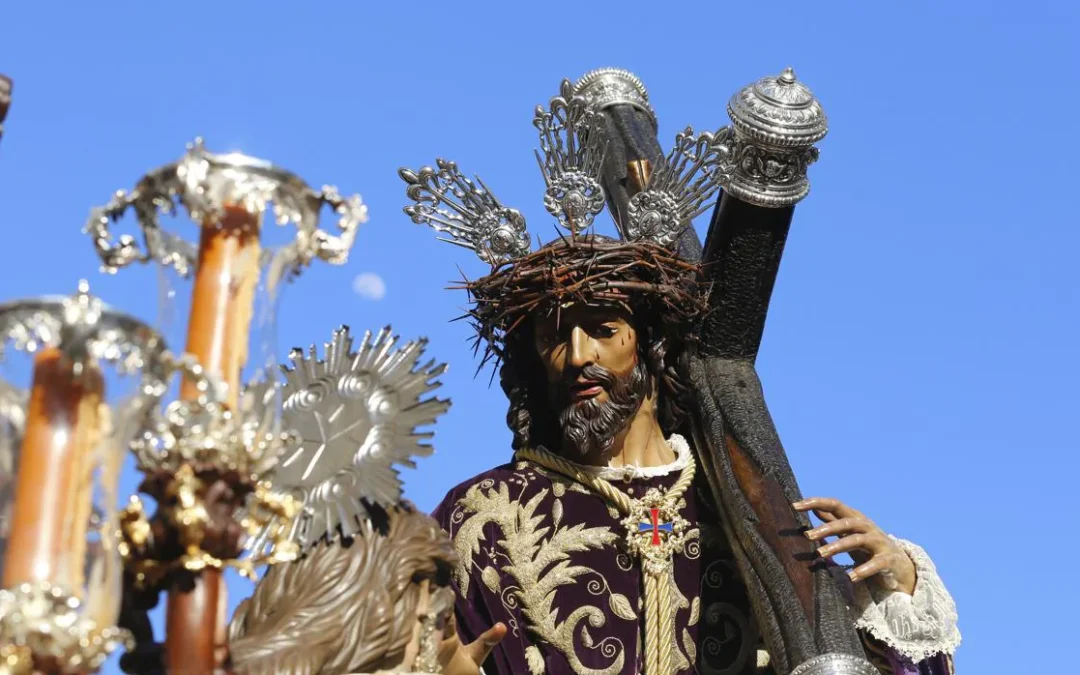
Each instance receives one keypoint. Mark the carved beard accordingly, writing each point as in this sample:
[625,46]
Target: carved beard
[589,427]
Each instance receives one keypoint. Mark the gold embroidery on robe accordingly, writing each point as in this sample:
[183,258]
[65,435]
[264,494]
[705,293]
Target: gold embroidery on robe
[539,561]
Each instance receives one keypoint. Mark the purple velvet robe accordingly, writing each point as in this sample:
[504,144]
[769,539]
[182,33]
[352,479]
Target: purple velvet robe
[547,558]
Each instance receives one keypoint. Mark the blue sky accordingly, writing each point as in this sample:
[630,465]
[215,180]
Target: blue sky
[920,355]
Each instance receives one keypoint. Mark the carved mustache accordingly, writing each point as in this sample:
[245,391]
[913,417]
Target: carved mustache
[589,426]
[590,375]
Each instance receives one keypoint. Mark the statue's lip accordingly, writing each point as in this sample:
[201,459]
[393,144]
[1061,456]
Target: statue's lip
[585,389]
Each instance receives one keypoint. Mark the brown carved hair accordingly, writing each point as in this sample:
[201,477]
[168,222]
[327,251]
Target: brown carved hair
[344,607]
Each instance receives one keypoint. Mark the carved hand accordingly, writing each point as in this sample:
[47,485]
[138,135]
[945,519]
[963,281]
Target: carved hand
[462,659]
[878,558]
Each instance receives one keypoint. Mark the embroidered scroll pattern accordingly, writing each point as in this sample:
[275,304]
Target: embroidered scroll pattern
[538,558]
[726,647]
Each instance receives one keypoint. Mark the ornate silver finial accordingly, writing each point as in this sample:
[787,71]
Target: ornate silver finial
[835,664]
[450,203]
[680,186]
[777,120]
[203,183]
[572,160]
[605,87]
[87,331]
[356,417]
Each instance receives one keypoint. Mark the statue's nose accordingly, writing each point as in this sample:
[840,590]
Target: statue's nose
[578,353]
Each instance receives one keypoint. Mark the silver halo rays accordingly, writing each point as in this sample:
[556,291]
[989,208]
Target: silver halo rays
[356,416]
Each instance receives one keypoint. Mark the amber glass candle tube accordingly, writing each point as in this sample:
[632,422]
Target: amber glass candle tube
[53,490]
[219,327]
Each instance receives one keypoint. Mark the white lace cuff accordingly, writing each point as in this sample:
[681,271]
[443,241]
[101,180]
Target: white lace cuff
[917,626]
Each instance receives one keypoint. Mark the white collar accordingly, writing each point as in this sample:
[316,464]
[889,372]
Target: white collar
[683,457]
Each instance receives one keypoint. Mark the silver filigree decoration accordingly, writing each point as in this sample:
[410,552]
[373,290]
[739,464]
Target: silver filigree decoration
[777,120]
[87,331]
[467,212]
[572,159]
[203,184]
[606,87]
[203,432]
[836,664]
[356,416]
[50,624]
[680,186]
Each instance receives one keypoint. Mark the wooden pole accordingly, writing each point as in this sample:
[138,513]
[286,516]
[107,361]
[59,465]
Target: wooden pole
[218,327]
[53,488]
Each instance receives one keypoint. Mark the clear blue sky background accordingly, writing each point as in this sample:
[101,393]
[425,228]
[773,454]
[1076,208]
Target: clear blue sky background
[920,356]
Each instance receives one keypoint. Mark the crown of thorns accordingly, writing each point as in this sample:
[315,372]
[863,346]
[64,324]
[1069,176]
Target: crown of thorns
[642,272]
[643,277]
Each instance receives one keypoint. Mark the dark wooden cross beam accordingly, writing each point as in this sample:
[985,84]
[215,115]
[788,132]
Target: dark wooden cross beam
[799,606]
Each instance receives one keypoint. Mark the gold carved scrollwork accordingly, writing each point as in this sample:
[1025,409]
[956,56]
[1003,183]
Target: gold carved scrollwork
[187,513]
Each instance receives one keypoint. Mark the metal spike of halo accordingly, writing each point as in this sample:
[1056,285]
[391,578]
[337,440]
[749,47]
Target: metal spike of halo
[572,159]
[468,212]
[357,416]
[680,186]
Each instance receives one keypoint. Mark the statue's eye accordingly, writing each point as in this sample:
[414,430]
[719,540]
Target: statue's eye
[605,330]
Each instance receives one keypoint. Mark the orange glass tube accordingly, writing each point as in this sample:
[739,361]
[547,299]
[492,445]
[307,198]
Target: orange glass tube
[221,308]
[53,489]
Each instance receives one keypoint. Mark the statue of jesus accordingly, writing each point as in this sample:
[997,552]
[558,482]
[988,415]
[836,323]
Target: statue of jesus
[599,549]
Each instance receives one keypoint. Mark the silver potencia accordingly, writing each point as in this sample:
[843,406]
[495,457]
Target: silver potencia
[777,121]
[836,664]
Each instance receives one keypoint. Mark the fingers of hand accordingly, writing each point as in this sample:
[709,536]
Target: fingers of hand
[825,503]
[854,542]
[828,504]
[844,526]
[479,650]
[877,565]
[448,649]
[828,509]
[825,516]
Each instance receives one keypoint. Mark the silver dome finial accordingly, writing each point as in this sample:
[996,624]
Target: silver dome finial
[605,87]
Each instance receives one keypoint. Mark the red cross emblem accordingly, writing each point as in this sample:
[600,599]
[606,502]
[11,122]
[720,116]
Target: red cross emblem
[655,526]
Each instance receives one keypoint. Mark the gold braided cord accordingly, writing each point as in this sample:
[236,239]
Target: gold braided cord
[665,654]
[619,499]
[659,615]
[653,638]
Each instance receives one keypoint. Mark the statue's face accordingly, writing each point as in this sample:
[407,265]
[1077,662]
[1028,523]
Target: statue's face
[596,381]
[582,336]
